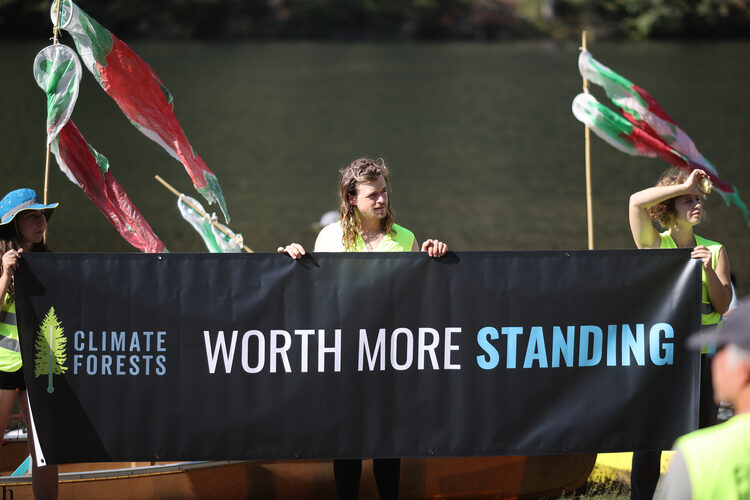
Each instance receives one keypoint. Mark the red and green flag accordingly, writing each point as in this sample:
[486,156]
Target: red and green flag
[642,127]
[217,237]
[89,170]
[57,70]
[138,92]
[623,134]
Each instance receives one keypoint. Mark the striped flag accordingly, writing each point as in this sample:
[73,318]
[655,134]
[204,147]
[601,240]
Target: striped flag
[642,127]
[138,92]
[89,170]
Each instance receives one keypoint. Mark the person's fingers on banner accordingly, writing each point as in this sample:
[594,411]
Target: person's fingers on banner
[434,248]
[10,261]
[702,253]
[293,250]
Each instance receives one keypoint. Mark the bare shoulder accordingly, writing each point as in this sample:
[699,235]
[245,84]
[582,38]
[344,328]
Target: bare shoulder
[330,239]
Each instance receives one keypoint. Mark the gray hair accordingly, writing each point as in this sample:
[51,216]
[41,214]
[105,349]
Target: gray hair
[737,355]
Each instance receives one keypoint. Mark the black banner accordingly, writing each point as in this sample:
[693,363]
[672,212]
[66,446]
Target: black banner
[257,356]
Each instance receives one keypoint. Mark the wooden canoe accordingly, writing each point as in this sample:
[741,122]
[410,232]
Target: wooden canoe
[421,478]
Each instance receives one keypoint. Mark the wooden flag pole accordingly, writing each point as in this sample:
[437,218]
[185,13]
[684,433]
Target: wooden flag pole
[55,36]
[587,155]
[198,209]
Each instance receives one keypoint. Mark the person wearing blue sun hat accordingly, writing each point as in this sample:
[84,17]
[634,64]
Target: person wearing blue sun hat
[23,222]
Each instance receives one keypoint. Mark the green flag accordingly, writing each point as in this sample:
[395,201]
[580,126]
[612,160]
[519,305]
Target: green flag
[217,240]
[57,70]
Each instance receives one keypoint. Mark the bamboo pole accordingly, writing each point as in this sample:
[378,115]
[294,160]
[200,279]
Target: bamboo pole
[587,155]
[198,209]
[55,41]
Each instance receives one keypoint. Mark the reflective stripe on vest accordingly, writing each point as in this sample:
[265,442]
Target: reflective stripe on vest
[10,347]
[10,344]
[8,318]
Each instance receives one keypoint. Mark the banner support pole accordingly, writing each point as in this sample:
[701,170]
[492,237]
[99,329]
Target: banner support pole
[198,209]
[587,156]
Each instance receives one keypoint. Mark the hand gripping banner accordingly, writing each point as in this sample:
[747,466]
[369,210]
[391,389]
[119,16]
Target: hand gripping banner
[257,356]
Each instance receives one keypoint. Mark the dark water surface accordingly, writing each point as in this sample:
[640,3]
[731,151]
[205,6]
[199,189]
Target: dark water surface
[484,149]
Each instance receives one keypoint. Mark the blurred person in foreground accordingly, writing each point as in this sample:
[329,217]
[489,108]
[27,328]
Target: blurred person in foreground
[714,463]
[366,225]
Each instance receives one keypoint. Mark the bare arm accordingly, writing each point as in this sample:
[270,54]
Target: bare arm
[676,482]
[718,282]
[9,264]
[644,234]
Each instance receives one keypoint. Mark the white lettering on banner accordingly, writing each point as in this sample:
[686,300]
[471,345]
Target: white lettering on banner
[401,352]
[221,345]
[245,351]
[335,350]
[119,353]
[281,352]
[322,349]
[278,349]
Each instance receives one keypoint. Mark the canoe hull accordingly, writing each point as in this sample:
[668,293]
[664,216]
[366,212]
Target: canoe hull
[455,478]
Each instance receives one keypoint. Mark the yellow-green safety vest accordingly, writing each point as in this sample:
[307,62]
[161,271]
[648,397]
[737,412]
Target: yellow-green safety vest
[718,460]
[401,240]
[10,347]
[709,316]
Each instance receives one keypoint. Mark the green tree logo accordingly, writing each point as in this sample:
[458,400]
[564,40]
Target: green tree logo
[50,349]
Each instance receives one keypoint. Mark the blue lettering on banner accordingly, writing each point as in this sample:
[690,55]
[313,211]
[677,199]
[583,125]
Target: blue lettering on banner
[491,358]
[119,353]
[590,349]
[593,333]
[535,351]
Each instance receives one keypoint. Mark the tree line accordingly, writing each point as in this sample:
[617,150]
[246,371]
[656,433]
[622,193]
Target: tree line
[393,19]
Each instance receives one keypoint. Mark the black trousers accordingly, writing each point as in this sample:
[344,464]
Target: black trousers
[387,472]
[647,464]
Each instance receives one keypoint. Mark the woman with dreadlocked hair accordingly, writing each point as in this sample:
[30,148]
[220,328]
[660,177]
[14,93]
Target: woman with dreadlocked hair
[366,225]
[23,221]
[676,203]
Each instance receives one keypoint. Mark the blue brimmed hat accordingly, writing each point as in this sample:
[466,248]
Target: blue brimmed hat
[20,200]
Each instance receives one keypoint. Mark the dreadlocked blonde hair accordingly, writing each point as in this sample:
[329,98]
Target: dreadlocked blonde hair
[360,170]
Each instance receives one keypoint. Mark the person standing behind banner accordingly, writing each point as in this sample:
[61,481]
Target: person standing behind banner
[714,463]
[676,202]
[23,221]
[366,225]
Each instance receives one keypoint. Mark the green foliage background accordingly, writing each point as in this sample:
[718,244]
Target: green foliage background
[393,19]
